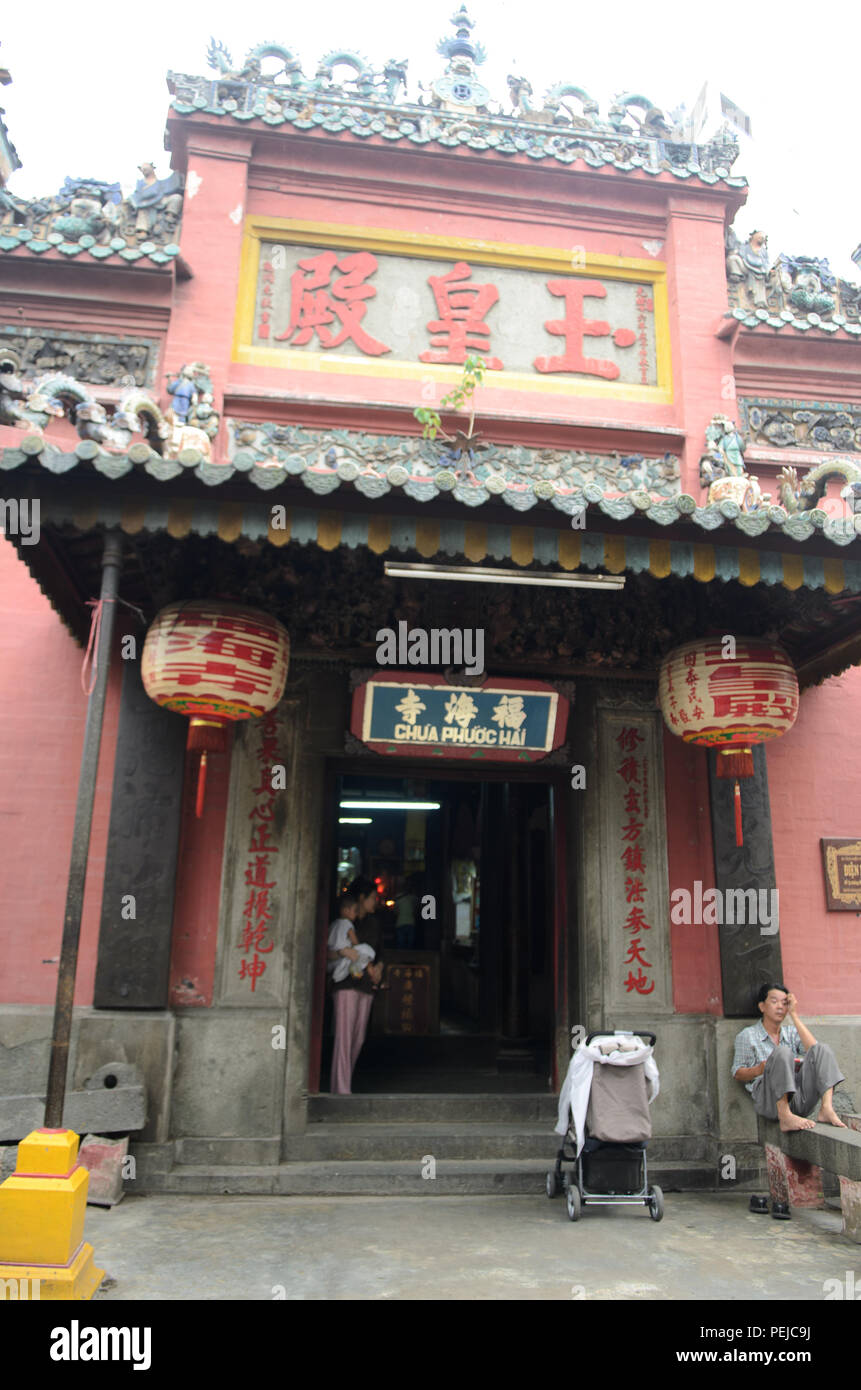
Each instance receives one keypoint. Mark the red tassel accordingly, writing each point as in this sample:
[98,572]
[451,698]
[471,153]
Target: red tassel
[738,835]
[205,736]
[201,785]
[735,762]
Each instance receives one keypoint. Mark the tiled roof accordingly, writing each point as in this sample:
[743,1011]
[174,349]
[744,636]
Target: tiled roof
[118,250]
[421,127]
[679,557]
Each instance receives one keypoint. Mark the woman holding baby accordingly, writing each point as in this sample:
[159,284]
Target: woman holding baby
[356,975]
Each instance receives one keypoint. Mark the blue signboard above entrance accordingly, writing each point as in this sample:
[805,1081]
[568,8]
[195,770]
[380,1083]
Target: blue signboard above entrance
[498,719]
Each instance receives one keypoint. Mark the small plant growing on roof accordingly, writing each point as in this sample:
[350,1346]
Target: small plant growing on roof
[457,399]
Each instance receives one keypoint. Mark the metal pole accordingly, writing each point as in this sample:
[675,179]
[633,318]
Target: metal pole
[111,566]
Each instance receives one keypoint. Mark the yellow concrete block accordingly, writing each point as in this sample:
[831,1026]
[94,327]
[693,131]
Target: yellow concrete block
[42,1219]
[48,1152]
[78,1282]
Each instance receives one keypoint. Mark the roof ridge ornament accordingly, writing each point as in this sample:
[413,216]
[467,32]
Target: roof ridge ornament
[458,89]
[800,290]
[462,46]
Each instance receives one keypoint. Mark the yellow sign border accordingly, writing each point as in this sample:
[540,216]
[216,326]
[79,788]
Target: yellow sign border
[429,247]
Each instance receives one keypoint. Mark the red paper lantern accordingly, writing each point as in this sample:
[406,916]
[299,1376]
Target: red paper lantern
[729,697]
[216,663]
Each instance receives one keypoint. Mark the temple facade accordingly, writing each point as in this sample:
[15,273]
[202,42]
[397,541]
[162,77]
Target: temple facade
[488,402]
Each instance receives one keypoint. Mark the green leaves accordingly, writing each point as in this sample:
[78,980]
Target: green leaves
[456,399]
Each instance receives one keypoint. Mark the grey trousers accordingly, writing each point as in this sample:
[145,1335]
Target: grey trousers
[817,1072]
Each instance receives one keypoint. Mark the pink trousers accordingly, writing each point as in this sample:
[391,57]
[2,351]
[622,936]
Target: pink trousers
[352,1009]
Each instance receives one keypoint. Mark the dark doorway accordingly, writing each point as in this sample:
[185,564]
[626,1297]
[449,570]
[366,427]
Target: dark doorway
[466,927]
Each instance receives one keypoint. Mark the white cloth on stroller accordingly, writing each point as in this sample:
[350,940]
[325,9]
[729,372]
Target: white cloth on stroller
[574,1096]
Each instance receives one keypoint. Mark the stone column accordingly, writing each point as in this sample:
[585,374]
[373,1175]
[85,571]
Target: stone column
[624,937]
[141,861]
[258,883]
[749,950]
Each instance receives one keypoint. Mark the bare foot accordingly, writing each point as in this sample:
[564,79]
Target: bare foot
[791,1122]
[829,1116]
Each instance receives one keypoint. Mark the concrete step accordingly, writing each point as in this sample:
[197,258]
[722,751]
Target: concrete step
[461,1177]
[516,1108]
[477,1140]
[389,1142]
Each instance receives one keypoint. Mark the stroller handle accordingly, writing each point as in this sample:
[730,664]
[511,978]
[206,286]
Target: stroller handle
[622,1032]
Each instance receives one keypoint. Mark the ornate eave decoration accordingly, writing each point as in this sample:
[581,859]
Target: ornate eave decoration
[117,251]
[783,422]
[796,292]
[425,469]
[321,477]
[91,218]
[455,111]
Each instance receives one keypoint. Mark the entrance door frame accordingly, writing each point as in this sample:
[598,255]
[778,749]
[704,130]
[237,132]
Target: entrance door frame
[451,770]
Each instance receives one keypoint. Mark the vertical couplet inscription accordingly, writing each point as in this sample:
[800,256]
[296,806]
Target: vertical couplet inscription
[257,911]
[633,769]
[634,886]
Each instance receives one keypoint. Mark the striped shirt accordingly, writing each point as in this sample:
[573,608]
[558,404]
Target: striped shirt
[753,1045]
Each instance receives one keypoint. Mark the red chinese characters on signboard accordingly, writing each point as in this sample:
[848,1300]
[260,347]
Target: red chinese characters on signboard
[317,302]
[644,306]
[268,278]
[575,326]
[460,328]
[258,912]
[330,290]
[633,770]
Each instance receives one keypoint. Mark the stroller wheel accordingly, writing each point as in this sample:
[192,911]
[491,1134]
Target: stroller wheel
[573,1201]
[552,1185]
[656,1203]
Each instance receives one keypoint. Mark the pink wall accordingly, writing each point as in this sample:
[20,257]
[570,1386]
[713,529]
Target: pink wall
[814,789]
[814,794]
[42,714]
[40,758]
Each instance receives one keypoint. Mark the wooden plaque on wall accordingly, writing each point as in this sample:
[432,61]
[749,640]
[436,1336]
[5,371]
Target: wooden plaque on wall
[841,864]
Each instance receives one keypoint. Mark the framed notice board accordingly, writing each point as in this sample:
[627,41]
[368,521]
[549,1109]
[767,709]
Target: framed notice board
[841,864]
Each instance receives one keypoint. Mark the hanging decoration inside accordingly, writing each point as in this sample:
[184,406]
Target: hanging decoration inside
[729,693]
[216,663]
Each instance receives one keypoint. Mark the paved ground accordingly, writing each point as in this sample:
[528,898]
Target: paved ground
[225,1248]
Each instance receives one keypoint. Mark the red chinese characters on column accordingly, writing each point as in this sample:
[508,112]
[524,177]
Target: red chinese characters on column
[575,326]
[460,328]
[257,913]
[645,306]
[633,772]
[317,302]
[268,278]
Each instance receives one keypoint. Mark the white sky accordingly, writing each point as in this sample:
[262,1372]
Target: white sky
[88,96]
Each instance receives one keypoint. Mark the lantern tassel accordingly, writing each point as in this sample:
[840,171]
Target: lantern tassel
[735,762]
[201,785]
[204,736]
[739,839]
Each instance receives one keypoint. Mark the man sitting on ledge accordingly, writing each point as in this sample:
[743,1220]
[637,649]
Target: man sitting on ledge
[768,1059]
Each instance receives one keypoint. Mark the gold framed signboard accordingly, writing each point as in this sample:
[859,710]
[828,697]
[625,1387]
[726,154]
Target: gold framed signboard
[841,861]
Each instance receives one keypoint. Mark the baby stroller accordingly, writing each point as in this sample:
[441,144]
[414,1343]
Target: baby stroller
[604,1117]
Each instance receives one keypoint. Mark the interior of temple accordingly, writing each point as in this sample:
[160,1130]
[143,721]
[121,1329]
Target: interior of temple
[464,925]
